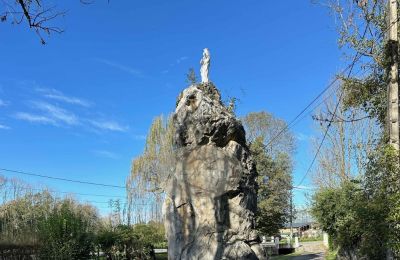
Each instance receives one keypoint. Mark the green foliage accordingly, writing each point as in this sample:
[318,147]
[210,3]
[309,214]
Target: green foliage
[19,218]
[383,187]
[369,93]
[394,222]
[364,217]
[67,231]
[331,255]
[191,77]
[152,234]
[362,29]
[54,228]
[310,239]
[274,167]
[106,240]
[353,220]
[274,185]
[137,241]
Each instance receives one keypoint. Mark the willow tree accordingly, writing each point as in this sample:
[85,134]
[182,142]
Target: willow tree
[150,171]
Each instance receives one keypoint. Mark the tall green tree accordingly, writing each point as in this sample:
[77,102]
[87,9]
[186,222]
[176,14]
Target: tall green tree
[274,167]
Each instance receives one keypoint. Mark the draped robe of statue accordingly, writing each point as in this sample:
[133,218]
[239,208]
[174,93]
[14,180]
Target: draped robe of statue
[205,66]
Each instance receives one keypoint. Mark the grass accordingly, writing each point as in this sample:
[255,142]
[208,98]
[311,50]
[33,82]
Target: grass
[162,256]
[284,257]
[310,239]
[331,255]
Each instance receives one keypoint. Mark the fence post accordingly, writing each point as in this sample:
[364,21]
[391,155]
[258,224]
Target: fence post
[326,239]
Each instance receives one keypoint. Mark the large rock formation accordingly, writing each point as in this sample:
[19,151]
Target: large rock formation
[211,197]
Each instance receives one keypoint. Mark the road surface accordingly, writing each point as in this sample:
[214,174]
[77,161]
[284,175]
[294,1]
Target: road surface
[308,250]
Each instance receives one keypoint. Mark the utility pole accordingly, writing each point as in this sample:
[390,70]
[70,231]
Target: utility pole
[393,88]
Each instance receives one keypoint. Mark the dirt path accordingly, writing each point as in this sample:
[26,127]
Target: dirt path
[311,250]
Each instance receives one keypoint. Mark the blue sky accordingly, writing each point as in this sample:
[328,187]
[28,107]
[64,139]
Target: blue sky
[80,106]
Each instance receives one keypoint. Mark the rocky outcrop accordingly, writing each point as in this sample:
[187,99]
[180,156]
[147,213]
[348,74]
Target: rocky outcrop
[211,197]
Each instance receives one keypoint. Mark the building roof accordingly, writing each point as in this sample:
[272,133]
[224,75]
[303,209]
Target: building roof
[298,225]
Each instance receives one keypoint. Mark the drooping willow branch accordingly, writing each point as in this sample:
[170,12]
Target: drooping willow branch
[151,170]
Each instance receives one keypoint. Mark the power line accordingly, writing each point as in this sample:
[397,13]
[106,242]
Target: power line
[322,141]
[356,58]
[292,122]
[87,201]
[303,188]
[85,194]
[320,103]
[63,179]
[70,192]
[121,202]
[329,124]
[351,66]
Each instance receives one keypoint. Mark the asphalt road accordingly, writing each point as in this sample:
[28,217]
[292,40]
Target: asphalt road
[307,250]
[306,256]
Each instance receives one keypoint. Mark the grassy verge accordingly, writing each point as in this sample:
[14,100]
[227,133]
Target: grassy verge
[310,239]
[331,255]
[284,257]
[162,256]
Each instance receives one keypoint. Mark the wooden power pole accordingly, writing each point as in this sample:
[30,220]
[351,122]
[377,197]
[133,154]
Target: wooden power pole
[393,88]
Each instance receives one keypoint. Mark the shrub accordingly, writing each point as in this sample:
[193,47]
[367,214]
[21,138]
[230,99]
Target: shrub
[354,222]
[67,232]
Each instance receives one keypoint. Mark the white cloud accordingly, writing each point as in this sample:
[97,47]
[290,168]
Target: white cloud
[4,127]
[139,137]
[119,66]
[3,103]
[302,137]
[106,154]
[57,113]
[34,118]
[109,125]
[58,95]
[179,60]
[303,187]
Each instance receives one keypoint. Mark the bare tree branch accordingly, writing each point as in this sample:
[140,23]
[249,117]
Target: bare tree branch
[35,13]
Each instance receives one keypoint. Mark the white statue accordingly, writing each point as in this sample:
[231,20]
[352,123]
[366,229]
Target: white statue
[205,65]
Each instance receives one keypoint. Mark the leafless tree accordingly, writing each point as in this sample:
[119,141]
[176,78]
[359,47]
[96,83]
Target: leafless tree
[351,137]
[39,15]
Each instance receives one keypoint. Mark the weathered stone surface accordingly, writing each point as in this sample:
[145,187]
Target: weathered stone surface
[211,198]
